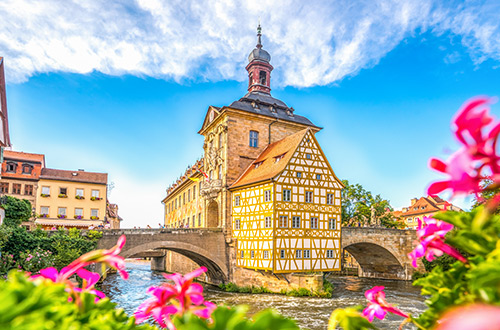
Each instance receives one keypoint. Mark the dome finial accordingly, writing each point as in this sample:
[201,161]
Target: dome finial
[259,34]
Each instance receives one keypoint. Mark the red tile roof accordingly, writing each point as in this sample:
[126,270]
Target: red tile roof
[18,155]
[268,167]
[77,176]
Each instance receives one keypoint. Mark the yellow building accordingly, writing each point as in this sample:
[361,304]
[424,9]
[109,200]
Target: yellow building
[286,209]
[71,198]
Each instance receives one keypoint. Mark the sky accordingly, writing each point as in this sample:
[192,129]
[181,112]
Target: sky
[122,87]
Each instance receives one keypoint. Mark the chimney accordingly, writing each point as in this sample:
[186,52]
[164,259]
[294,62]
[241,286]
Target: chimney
[81,170]
[413,201]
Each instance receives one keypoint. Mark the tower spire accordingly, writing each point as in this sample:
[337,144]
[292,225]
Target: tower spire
[259,34]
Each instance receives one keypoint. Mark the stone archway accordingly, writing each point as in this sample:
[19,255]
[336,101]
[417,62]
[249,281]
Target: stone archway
[377,261]
[217,270]
[213,214]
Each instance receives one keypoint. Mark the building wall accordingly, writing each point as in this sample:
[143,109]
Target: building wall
[182,205]
[322,242]
[252,236]
[23,183]
[70,202]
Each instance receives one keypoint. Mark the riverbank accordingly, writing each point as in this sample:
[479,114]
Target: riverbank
[325,292]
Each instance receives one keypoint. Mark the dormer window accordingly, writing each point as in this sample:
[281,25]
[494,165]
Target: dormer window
[27,168]
[278,158]
[11,167]
[256,165]
[262,77]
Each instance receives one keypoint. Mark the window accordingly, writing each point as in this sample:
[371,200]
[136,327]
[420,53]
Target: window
[268,222]
[94,213]
[266,254]
[308,156]
[236,200]
[299,174]
[278,158]
[295,222]
[314,223]
[331,224]
[307,254]
[318,176]
[184,198]
[189,195]
[298,254]
[11,167]
[252,254]
[256,165]
[61,211]
[194,220]
[242,254]
[28,189]
[283,221]
[254,139]
[211,175]
[4,187]
[79,192]
[262,77]
[44,210]
[416,219]
[329,199]
[95,193]
[309,196]
[220,172]
[46,191]
[199,219]
[175,204]
[194,192]
[16,188]
[409,220]
[267,195]
[287,195]
[220,140]
[27,169]
[237,224]
[329,254]
[63,191]
[201,183]
[282,254]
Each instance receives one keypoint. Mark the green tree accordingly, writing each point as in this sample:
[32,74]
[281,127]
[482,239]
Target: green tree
[360,205]
[16,210]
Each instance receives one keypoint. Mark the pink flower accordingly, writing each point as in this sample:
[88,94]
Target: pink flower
[476,316]
[431,241]
[89,280]
[477,159]
[181,297]
[377,306]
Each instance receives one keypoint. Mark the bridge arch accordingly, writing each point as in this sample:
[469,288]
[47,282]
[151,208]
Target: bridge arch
[216,269]
[378,261]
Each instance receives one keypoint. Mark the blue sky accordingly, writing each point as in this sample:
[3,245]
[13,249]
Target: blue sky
[124,88]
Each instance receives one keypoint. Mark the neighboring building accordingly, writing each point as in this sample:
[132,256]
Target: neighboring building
[71,198]
[4,119]
[240,138]
[422,207]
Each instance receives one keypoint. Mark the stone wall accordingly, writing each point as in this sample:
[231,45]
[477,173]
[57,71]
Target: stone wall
[177,263]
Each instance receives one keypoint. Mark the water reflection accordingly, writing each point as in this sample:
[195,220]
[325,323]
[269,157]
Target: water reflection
[310,313]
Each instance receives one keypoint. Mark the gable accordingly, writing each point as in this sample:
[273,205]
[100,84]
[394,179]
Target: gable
[210,116]
[310,161]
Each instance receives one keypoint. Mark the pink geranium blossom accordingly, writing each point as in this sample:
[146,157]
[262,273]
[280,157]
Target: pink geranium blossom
[378,306]
[431,241]
[181,297]
[475,316]
[477,159]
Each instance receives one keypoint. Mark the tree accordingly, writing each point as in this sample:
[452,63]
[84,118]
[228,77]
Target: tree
[360,206]
[16,210]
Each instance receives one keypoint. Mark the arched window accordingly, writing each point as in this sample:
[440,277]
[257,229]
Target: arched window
[254,139]
[262,77]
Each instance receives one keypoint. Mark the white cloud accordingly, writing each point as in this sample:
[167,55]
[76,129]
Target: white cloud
[312,43]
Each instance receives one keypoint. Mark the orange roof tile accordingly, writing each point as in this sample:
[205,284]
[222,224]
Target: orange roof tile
[77,176]
[17,155]
[268,167]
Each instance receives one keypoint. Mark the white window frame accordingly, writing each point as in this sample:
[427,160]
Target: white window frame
[329,254]
[77,213]
[253,139]
[237,199]
[77,192]
[268,222]
[299,175]
[307,254]
[309,197]
[242,254]
[330,199]
[283,221]
[282,254]
[59,209]
[265,254]
[94,213]
[237,224]
[95,193]
[287,195]
[45,190]
[318,176]
[267,195]
[252,254]
[314,223]
[295,222]
[298,254]
[43,208]
[332,224]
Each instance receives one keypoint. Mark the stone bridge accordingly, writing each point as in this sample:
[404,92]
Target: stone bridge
[380,252]
[207,247]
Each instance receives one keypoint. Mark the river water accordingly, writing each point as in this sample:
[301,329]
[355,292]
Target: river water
[310,313]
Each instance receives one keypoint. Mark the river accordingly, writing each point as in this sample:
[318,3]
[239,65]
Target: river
[310,313]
